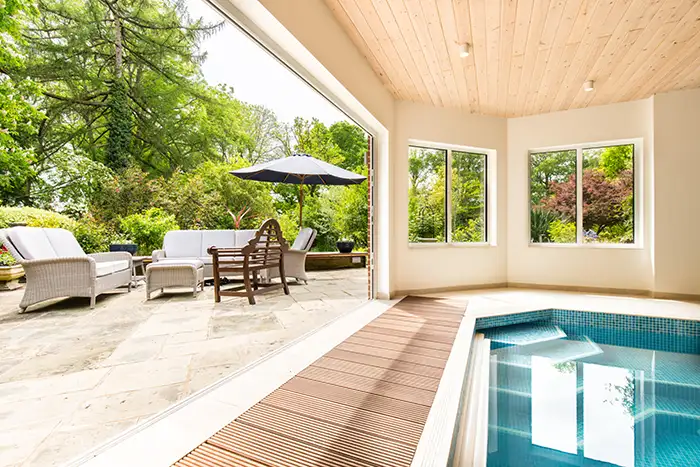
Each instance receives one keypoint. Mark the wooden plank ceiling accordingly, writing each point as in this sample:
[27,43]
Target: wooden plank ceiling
[527,56]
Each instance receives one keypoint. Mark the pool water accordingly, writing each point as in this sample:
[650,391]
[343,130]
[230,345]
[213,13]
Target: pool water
[569,392]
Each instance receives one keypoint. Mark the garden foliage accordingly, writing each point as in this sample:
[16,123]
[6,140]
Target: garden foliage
[125,138]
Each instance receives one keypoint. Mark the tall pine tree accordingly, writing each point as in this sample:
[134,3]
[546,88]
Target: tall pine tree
[122,81]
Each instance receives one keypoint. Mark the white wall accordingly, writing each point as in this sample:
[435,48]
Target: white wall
[677,192]
[582,266]
[441,265]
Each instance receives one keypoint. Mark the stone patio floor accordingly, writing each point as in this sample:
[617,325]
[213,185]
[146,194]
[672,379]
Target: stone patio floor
[71,377]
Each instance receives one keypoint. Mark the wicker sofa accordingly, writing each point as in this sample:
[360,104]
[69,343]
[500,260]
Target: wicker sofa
[188,245]
[56,266]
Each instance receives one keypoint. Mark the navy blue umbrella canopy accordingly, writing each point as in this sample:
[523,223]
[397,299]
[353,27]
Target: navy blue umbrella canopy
[299,169]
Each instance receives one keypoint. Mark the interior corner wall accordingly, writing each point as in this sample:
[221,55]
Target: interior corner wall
[575,266]
[441,266]
[677,192]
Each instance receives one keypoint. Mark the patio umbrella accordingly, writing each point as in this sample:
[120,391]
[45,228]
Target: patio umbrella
[299,169]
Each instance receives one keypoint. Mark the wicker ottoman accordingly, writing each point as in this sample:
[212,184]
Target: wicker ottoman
[174,273]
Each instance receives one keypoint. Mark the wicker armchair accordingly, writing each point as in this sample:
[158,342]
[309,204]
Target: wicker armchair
[295,257]
[56,266]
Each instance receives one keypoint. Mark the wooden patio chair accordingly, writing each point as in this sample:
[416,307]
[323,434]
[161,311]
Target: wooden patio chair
[264,251]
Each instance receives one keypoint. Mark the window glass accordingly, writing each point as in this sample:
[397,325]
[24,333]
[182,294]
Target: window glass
[426,195]
[608,194]
[553,197]
[468,197]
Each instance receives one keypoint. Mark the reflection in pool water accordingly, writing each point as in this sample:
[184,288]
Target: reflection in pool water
[572,401]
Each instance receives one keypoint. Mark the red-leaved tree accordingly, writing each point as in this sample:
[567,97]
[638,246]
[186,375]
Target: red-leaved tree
[603,199]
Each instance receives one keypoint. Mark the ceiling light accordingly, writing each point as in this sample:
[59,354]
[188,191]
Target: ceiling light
[589,85]
[464,50]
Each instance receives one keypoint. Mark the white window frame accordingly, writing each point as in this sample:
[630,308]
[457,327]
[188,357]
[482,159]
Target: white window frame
[490,194]
[637,176]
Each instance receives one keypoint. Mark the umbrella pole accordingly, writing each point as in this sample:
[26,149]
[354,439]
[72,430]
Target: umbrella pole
[301,204]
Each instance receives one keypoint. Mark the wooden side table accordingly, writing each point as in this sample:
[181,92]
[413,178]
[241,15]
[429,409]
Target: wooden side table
[138,262]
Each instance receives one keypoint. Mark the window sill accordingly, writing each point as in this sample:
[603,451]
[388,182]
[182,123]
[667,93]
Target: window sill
[586,246]
[451,245]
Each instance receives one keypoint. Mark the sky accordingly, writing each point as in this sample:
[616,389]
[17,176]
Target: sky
[256,77]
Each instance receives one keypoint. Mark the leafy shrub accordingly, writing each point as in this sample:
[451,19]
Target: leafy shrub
[147,230]
[34,217]
[472,232]
[94,236]
[562,232]
[351,214]
[290,227]
[319,213]
[6,259]
[540,220]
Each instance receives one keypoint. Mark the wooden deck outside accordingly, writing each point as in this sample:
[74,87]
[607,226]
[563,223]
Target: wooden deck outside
[364,403]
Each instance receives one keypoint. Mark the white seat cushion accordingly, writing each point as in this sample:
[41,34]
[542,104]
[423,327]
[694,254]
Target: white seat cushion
[183,243]
[217,238]
[243,237]
[302,240]
[176,262]
[108,267]
[64,243]
[31,243]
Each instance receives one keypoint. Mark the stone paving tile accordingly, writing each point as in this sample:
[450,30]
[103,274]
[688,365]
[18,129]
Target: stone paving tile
[52,385]
[71,377]
[71,441]
[186,336]
[17,444]
[242,324]
[127,405]
[42,409]
[67,359]
[137,349]
[148,374]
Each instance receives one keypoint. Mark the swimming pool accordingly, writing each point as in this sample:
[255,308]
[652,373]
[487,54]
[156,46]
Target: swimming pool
[592,389]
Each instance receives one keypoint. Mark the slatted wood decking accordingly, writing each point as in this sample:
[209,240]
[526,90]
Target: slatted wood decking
[364,403]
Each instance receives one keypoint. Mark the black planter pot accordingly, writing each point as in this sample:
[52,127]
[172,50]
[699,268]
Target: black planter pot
[128,247]
[345,247]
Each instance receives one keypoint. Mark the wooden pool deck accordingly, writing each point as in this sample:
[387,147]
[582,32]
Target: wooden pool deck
[364,403]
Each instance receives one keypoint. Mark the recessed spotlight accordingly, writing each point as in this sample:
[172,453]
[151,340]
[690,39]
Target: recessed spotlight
[464,50]
[589,86]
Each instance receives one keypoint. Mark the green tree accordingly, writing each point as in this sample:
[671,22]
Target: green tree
[122,83]
[351,140]
[19,118]
[548,167]
[426,194]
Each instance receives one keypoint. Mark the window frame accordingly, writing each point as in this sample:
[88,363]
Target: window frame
[637,187]
[489,194]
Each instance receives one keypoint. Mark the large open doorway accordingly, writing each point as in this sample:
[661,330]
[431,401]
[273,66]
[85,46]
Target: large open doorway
[135,140]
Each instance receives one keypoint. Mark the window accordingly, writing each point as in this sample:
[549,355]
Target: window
[583,194]
[446,206]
